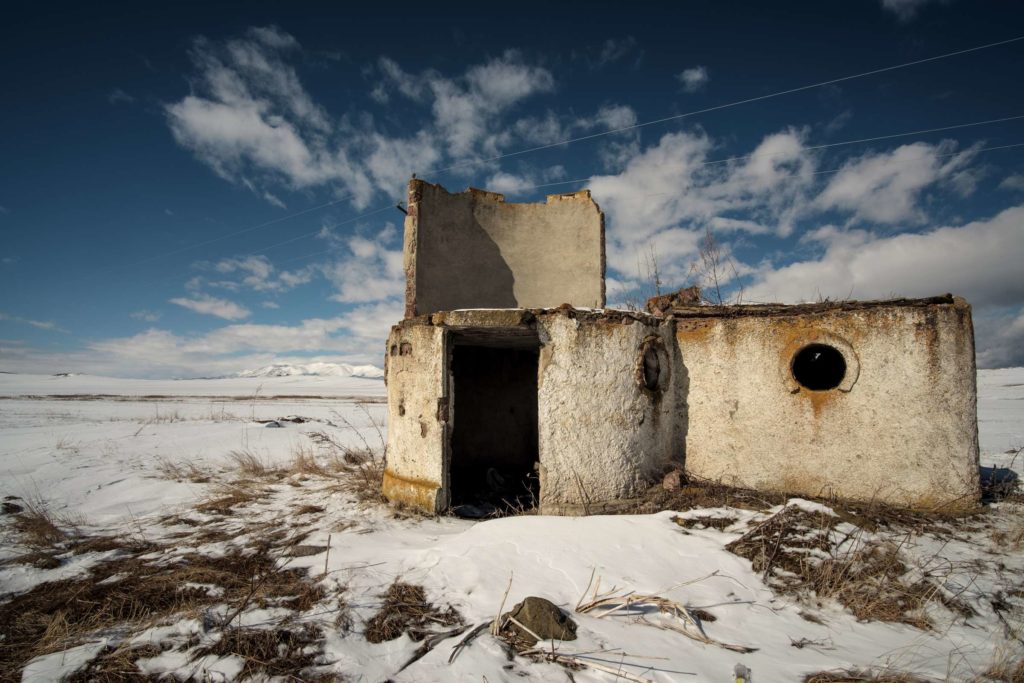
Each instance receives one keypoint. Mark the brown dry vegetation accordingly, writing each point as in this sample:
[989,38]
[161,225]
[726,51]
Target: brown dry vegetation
[862,676]
[36,527]
[225,497]
[129,593]
[1010,670]
[406,610]
[183,471]
[705,522]
[289,651]
[800,552]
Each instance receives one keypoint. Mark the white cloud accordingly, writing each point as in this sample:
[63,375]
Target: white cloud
[354,337]
[1013,182]
[511,183]
[1000,339]
[694,78]
[250,119]
[38,324]
[118,96]
[980,261]
[209,305]
[270,304]
[256,272]
[667,195]
[145,315]
[371,271]
[905,10]
[614,50]
[274,200]
[885,187]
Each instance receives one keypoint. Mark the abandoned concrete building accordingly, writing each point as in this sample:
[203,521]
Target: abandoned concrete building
[510,383]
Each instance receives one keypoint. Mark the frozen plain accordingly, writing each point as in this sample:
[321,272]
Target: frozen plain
[97,449]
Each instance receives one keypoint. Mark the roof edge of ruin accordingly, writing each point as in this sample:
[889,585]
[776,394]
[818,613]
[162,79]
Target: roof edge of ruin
[514,317]
[499,198]
[779,310]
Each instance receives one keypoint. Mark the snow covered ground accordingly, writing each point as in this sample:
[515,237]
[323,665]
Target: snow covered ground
[144,458]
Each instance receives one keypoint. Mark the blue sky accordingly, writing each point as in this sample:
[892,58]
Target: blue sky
[192,190]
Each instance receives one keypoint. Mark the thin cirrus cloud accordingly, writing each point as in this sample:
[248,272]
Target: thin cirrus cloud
[211,305]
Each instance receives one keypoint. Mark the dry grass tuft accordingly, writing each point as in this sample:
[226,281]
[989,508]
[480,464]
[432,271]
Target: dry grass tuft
[117,664]
[1012,537]
[406,610]
[183,471]
[227,496]
[286,651]
[1010,670]
[36,527]
[704,493]
[800,552]
[305,462]
[862,676]
[360,471]
[251,465]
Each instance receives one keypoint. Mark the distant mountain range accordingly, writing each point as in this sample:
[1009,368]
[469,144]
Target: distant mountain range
[320,369]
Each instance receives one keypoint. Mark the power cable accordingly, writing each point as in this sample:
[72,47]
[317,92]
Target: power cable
[569,141]
[812,147]
[719,107]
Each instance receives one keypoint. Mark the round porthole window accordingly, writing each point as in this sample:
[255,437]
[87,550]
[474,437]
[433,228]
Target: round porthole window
[819,367]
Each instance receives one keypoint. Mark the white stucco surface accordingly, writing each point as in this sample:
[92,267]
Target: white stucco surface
[901,429]
[603,436]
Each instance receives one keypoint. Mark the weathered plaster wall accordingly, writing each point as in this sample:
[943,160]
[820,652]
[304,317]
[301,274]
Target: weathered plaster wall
[472,250]
[901,429]
[604,436]
[416,373]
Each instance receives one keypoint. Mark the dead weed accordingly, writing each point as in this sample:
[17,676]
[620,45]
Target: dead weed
[406,610]
[862,676]
[129,593]
[288,651]
[800,552]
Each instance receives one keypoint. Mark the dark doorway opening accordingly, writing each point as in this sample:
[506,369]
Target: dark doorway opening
[494,453]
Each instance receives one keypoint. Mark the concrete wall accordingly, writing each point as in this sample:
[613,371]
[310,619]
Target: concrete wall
[604,436]
[472,250]
[605,429]
[416,371]
[901,428]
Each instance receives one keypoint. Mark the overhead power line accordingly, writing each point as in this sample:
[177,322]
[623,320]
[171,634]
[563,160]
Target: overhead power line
[833,170]
[214,240]
[809,148]
[591,136]
[719,107]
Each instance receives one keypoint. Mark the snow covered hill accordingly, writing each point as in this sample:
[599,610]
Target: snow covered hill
[318,369]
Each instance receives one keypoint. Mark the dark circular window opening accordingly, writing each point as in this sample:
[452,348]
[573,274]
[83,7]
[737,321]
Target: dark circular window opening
[819,367]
